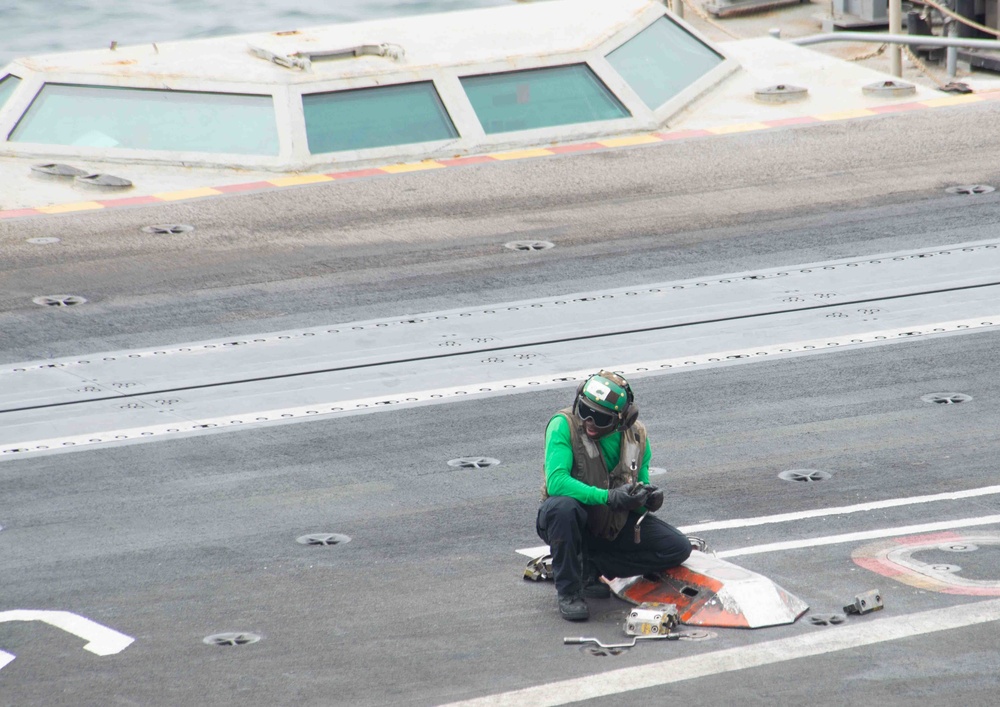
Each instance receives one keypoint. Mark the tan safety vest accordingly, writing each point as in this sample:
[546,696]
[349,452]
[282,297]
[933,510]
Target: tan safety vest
[589,467]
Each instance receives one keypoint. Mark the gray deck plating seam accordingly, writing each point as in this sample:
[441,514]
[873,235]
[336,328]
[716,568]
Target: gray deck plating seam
[498,331]
[143,418]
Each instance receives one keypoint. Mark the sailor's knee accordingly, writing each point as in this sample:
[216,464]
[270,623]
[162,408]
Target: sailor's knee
[679,551]
[673,550]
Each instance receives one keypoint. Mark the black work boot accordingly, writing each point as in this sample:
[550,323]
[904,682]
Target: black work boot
[572,607]
[593,587]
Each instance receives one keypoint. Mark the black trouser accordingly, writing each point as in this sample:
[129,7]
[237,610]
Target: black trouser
[562,523]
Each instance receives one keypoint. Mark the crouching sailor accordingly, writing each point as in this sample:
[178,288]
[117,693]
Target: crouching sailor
[596,489]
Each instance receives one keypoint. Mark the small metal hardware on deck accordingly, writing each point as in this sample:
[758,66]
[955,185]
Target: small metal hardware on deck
[652,619]
[865,603]
[539,569]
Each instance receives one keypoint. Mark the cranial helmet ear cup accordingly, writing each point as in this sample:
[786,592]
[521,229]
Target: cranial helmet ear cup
[579,392]
[629,415]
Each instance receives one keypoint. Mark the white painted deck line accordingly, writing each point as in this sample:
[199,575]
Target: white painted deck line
[864,535]
[101,640]
[840,510]
[814,513]
[847,637]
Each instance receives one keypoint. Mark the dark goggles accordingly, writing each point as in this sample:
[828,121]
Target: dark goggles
[601,418]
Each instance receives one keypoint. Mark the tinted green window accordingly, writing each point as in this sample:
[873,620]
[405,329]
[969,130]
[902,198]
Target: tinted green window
[7,86]
[540,98]
[145,119]
[661,61]
[375,117]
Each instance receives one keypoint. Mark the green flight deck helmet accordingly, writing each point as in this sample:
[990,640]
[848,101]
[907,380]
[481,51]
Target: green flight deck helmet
[607,399]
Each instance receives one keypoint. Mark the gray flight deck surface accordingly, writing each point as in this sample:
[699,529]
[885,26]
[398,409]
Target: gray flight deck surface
[507,348]
[174,536]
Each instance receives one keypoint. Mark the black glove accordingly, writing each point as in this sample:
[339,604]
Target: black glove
[654,500]
[627,497]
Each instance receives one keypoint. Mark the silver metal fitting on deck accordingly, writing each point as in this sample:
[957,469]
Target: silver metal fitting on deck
[652,619]
[865,603]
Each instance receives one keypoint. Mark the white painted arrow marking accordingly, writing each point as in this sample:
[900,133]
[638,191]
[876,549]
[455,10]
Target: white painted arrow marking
[101,640]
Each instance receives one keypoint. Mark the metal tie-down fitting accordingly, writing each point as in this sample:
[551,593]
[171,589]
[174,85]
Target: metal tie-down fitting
[648,621]
[865,602]
[652,619]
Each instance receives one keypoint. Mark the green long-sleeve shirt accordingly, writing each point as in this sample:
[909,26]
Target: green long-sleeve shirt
[559,463]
